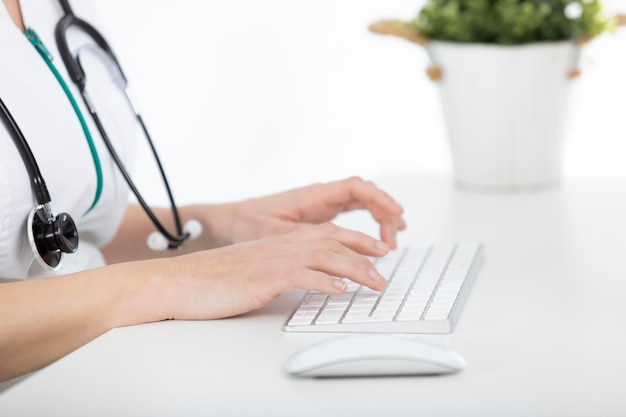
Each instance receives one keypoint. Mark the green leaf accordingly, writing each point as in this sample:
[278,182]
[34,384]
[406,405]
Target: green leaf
[510,22]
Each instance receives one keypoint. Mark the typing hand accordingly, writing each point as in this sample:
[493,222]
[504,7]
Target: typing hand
[315,204]
[242,277]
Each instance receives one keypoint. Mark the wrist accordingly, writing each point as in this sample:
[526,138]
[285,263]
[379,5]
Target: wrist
[141,292]
[217,224]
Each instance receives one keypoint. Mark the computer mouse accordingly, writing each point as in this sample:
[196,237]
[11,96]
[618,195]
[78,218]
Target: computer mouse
[374,355]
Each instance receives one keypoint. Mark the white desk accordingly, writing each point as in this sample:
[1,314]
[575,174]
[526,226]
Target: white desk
[542,331]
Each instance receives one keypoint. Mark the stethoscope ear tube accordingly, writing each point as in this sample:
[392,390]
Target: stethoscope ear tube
[74,68]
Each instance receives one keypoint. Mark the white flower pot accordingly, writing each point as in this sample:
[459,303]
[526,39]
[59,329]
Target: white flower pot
[505,109]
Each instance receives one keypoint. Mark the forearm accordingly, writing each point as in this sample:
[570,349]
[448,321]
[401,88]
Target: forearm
[130,242]
[43,320]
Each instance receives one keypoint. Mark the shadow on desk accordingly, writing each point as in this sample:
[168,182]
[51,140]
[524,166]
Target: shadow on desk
[4,386]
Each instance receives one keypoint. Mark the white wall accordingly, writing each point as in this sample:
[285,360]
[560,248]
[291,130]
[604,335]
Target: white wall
[246,97]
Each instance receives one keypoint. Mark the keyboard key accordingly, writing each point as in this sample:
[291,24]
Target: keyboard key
[329,316]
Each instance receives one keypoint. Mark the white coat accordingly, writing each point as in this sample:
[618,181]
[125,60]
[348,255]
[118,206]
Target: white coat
[52,129]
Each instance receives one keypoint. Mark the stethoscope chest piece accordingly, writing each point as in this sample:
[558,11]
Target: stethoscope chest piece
[51,236]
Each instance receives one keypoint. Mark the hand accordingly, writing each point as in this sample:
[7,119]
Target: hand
[239,278]
[315,204]
[76,308]
[225,224]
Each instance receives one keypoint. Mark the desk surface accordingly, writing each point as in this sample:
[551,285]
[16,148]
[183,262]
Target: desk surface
[542,330]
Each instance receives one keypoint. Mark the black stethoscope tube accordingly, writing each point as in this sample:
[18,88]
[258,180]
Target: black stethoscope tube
[174,241]
[77,75]
[49,236]
[73,66]
[38,184]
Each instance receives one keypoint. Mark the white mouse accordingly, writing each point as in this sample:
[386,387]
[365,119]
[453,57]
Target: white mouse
[374,355]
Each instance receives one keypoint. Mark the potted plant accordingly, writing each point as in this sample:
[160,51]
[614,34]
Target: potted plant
[504,70]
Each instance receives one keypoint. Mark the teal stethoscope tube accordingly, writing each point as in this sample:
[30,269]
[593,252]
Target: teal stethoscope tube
[39,46]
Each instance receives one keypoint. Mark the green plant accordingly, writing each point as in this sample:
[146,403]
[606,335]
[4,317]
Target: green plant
[511,22]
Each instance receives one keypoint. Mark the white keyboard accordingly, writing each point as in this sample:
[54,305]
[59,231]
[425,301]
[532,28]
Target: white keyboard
[427,288]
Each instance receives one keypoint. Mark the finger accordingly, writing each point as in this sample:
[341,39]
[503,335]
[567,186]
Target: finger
[312,280]
[355,240]
[382,207]
[401,224]
[372,197]
[336,260]
[355,193]
[389,229]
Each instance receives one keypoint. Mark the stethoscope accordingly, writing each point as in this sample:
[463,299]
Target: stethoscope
[51,236]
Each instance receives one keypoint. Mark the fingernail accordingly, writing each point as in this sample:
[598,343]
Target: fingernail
[339,284]
[382,245]
[374,275]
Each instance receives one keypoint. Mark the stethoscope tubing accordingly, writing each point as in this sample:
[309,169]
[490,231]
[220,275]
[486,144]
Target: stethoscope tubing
[77,75]
[38,185]
[131,184]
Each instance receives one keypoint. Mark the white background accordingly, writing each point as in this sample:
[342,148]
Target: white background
[247,97]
